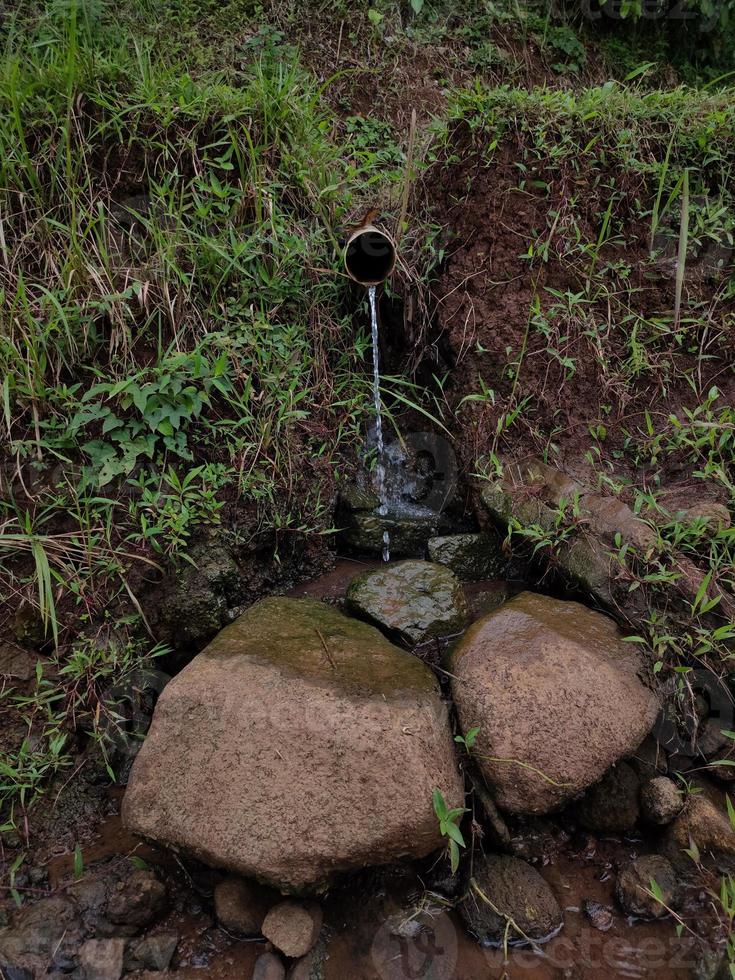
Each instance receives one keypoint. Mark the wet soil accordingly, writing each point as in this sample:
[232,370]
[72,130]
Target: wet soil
[366,918]
[571,377]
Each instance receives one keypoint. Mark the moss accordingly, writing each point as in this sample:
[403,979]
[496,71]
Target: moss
[310,639]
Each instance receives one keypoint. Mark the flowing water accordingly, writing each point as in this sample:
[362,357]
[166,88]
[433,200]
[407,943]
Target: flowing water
[380,466]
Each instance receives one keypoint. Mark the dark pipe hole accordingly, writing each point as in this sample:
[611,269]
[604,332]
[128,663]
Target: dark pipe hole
[370,257]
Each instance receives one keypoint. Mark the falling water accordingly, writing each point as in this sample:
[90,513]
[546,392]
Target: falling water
[380,468]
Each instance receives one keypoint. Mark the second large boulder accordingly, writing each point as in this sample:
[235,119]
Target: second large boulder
[299,743]
[557,695]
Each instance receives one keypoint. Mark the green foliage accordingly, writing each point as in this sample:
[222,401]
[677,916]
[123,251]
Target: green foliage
[468,739]
[449,827]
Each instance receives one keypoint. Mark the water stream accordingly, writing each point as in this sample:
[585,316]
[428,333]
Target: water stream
[380,466]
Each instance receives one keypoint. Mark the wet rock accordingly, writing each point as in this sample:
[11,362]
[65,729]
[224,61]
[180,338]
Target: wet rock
[528,486]
[411,601]
[241,905]
[633,888]
[710,513]
[486,600]
[268,966]
[609,518]
[16,662]
[705,826]
[712,964]
[354,499]
[557,696]
[600,916]
[137,901]
[409,536]
[520,899]
[661,800]
[293,927]
[470,556]
[102,959]
[611,806]
[36,933]
[311,966]
[586,563]
[710,740]
[151,953]
[197,596]
[268,752]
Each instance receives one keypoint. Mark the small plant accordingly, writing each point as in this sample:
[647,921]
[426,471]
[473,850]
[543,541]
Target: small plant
[468,739]
[449,827]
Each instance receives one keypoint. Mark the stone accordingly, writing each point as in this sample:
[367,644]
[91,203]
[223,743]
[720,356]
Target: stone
[36,932]
[354,498]
[705,826]
[16,662]
[609,517]
[137,901]
[411,601]
[661,801]
[600,916]
[268,966]
[611,806]
[241,905]
[634,892]
[710,740]
[470,556]
[484,600]
[293,927]
[298,744]
[312,966]
[154,952]
[409,536]
[522,902]
[102,959]
[557,696]
[197,595]
[710,514]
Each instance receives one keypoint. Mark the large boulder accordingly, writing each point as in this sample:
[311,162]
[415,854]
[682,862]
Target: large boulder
[557,695]
[298,744]
[412,601]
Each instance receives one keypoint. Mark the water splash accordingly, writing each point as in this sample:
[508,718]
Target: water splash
[380,466]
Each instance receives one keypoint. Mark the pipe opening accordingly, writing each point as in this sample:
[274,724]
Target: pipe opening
[370,256]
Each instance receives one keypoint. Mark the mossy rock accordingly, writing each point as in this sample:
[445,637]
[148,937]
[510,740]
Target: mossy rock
[412,601]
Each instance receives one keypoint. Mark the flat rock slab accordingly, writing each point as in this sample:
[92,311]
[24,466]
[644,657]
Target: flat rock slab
[557,695]
[298,744]
[412,601]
